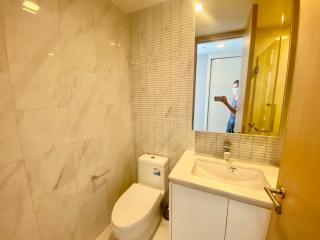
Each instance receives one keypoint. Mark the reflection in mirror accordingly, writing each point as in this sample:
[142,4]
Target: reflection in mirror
[218,74]
[269,68]
[241,66]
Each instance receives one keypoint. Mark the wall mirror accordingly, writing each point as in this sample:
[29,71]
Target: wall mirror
[242,81]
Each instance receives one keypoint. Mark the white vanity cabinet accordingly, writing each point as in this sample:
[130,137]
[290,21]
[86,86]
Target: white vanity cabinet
[199,215]
[196,214]
[246,222]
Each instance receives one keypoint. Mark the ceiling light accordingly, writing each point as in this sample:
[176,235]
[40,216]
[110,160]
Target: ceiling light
[113,44]
[198,7]
[221,45]
[30,7]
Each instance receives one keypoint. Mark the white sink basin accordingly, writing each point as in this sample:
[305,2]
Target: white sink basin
[229,174]
[238,180]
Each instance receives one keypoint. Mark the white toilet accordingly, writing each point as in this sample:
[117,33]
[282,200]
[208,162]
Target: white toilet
[137,212]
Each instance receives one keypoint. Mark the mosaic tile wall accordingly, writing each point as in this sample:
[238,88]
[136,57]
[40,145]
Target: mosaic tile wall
[245,147]
[161,72]
[161,75]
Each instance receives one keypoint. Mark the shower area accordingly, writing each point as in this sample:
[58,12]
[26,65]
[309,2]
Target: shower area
[268,82]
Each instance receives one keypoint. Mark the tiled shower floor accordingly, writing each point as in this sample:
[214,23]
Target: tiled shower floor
[162,232]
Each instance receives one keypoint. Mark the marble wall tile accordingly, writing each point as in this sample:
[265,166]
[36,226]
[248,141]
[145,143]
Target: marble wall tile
[87,113]
[57,214]
[106,21]
[90,160]
[10,149]
[112,70]
[87,123]
[87,118]
[76,29]
[16,212]
[118,144]
[65,115]
[46,143]
[47,8]
[95,213]
[111,41]
[82,89]
[34,59]
[13,184]
[18,222]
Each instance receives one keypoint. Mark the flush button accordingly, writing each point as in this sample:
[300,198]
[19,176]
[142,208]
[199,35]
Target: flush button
[156,172]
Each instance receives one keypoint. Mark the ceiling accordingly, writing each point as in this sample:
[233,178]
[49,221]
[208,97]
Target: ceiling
[212,48]
[220,16]
[130,6]
[224,12]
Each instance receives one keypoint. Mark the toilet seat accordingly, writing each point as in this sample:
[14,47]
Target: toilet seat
[134,206]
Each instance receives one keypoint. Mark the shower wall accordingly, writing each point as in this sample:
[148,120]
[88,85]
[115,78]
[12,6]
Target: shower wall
[64,117]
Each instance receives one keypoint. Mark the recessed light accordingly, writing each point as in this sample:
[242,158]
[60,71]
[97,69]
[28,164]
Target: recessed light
[198,7]
[113,44]
[221,45]
[30,7]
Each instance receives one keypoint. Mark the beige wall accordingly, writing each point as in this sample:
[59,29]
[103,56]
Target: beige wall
[162,62]
[64,116]
[162,52]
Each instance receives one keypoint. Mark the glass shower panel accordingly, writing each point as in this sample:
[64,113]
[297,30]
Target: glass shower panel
[263,106]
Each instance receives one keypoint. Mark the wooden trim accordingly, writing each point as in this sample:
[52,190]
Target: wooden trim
[291,64]
[220,36]
[248,76]
[195,57]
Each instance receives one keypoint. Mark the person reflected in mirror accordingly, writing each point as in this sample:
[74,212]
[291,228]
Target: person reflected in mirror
[232,107]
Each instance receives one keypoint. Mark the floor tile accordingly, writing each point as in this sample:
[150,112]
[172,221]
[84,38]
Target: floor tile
[162,232]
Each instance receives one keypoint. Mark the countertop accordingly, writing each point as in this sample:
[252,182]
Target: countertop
[181,174]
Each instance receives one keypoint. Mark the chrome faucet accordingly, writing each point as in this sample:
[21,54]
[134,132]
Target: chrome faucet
[226,146]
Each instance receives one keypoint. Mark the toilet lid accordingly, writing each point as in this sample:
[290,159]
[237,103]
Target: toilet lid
[134,205]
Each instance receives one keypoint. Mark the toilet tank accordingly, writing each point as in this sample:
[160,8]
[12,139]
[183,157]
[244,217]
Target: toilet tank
[153,171]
